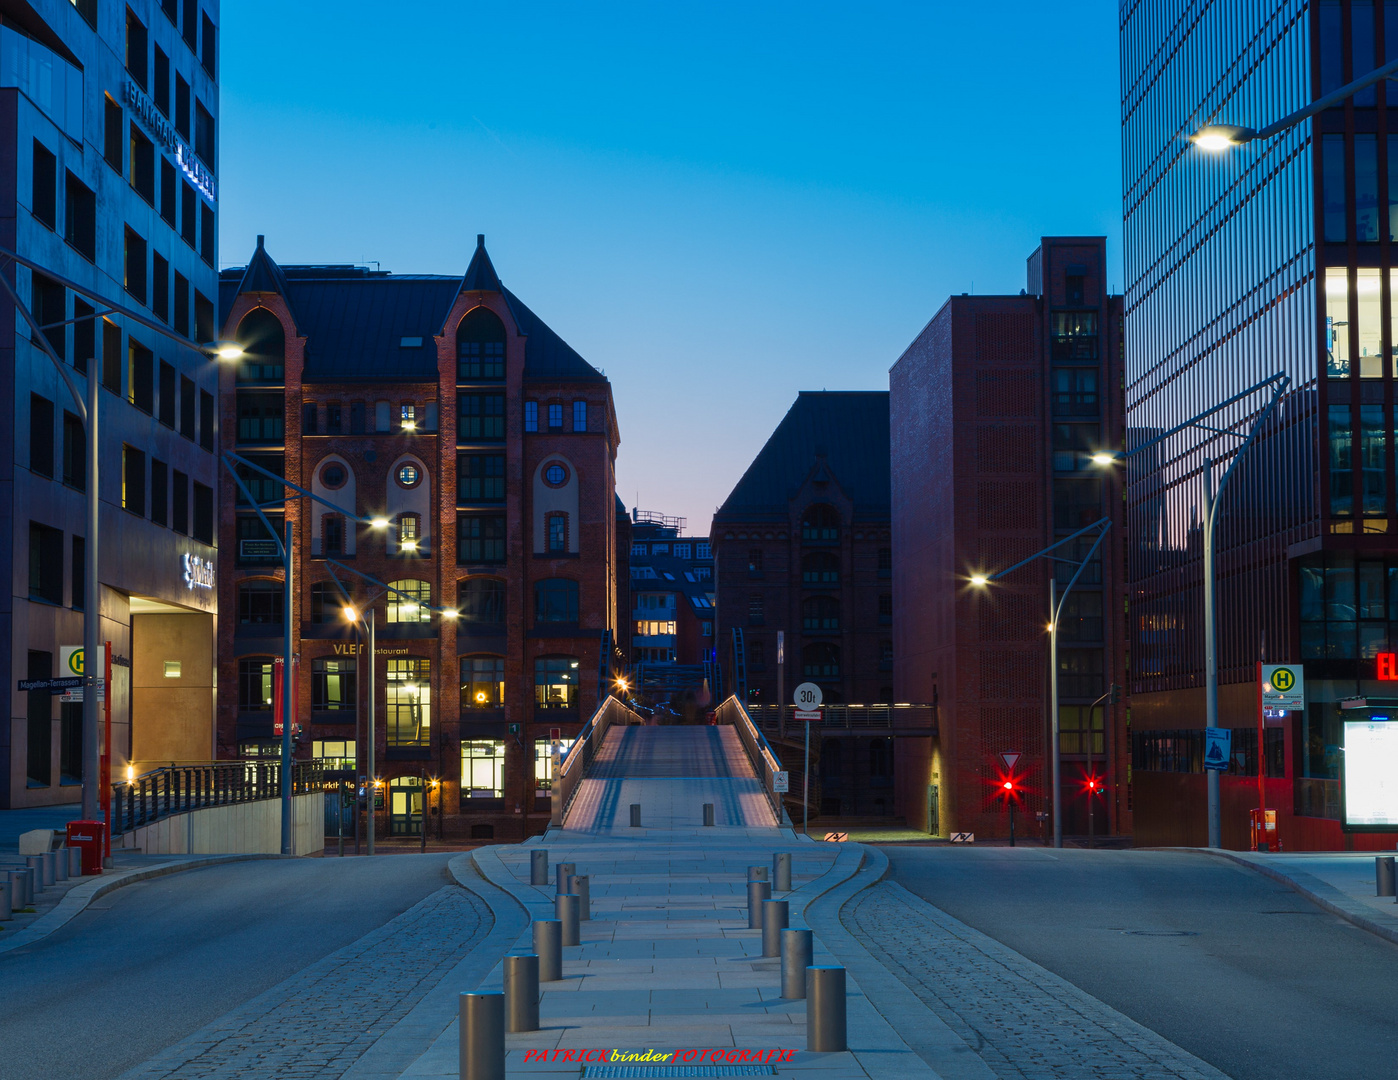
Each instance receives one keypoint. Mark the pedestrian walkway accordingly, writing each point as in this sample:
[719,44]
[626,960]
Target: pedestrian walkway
[1341,882]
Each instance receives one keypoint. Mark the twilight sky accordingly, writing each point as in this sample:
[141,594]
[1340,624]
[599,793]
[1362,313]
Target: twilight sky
[718,204]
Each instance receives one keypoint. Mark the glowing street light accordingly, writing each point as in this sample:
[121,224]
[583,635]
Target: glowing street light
[1103,458]
[980,581]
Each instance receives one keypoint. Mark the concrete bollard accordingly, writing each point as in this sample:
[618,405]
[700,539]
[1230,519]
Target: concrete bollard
[758,891]
[6,908]
[781,871]
[757,873]
[1383,873]
[49,862]
[522,993]
[539,867]
[560,878]
[565,907]
[75,862]
[60,865]
[36,863]
[635,815]
[548,946]
[580,886]
[481,1037]
[775,918]
[19,889]
[708,813]
[797,952]
[825,1009]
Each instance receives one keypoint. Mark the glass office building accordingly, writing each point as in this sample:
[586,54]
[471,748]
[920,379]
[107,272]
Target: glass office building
[1273,258]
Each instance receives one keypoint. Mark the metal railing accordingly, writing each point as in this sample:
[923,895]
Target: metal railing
[764,761]
[778,718]
[179,789]
[573,767]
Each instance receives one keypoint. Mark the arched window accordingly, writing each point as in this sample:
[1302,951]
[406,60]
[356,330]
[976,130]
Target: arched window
[820,525]
[410,601]
[820,614]
[264,347]
[260,603]
[481,602]
[556,682]
[819,569]
[480,347]
[556,601]
[820,660]
[482,682]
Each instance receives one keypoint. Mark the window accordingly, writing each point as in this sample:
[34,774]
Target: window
[557,525]
[556,475]
[264,348]
[556,601]
[682,551]
[407,418]
[182,103]
[111,356]
[79,573]
[207,237]
[1080,618]
[169,192]
[638,549]
[335,754]
[1373,438]
[410,602]
[45,563]
[181,321]
[409,532]
[756,610]
[113,129]
[480,539]
[74,452]
[820,614]
[179,502]
[1366,185]
[356,418]
[142,176]
[167,394]
[480,478]
[260,603]
[40,435]
[206,420]
[820,569]
[480,347]
[136,265]
[160,81]
[885,609]
[187,399]
[409,699]
[309,422]
[757,655]
[1074,723]
[84,335]
[327,604]
[160,287]
[133,480]
[1080,673]
[137,49]
[647,628]
[381,416]
[885,562]
[333,425]
[50,307]
[531,416]
[1341,462]
[556,417]
[481,602]
[483,769]
[820,660]
[159,492]
[481,417]
[332,684]
[556,682]
[409,475]
[44,201]
[140,376]
[1336,205]
[189,214]
[754,562]
[580,416]
[203,513]
[1074,392]
[1076,503]
[208,45]
[254,685]
[1074,337]
[482,682]
[80,216]
[204,140]
[702,550]
[1074,445]
[259,417]
[820,525]
[332,534]
[543,762]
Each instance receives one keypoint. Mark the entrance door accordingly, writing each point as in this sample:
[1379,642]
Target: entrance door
[933,810]
[405,806]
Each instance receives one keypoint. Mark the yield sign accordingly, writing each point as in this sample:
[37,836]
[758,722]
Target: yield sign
[1009,757]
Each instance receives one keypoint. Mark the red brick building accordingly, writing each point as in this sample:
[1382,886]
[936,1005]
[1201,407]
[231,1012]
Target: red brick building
[996,410]
[447,407]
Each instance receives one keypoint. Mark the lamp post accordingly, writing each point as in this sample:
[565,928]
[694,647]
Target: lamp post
[366,620]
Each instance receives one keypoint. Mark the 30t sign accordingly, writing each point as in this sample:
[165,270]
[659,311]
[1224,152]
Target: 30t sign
[808,698]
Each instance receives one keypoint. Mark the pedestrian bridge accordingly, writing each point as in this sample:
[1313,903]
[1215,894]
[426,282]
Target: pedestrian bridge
[670,772]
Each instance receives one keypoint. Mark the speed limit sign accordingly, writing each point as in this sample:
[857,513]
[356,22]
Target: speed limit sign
[807,696]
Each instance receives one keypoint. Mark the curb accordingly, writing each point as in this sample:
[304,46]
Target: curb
[80,896]
[1322,894]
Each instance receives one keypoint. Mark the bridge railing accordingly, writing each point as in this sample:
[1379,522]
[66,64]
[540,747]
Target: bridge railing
[574,765]
[846,718]
[764,760]
[180,789]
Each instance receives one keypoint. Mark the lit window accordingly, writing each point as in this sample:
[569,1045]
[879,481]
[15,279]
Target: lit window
[332,684]
[409,417]
[334,753]
[408,697]
[483,768]
[556,682]
[409,601]
[409,475]
[482,682]
[543,761]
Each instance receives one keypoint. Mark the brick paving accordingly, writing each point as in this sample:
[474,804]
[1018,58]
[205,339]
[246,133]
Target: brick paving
[317,1024]
[1024,1022]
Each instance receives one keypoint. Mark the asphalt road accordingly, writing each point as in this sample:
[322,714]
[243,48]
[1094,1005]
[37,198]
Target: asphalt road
[148,964]
[1231,966]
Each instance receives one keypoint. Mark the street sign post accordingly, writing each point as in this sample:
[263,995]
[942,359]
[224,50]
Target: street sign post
[1283,686]
[807,698]
[1009,757]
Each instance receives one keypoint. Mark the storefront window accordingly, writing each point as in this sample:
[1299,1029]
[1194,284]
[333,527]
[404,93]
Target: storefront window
[334,753]
[483,769]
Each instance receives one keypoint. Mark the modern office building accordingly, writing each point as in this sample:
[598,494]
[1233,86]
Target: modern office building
[110,121]
[997,410]
[1271,258]
[447,409]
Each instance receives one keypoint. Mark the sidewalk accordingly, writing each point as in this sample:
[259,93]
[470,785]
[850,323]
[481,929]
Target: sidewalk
[667,961]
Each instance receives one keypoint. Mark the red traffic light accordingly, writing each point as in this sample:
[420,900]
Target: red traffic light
[1009,785]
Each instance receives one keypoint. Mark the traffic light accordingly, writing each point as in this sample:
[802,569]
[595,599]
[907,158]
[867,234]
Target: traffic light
[1114,694]
[1095,786]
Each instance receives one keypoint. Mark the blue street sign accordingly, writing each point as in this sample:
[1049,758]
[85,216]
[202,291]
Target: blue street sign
[1218,747]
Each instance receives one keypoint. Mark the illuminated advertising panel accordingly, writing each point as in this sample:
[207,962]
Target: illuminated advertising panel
[1369,776]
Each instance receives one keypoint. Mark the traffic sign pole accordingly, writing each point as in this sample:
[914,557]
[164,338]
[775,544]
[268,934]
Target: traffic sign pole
[807,697]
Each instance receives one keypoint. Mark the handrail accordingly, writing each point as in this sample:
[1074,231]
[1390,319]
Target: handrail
[181,789]
[764,760]
[573,766]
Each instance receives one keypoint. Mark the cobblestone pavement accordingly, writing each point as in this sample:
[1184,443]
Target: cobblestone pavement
[1023,1021]
[318,1023]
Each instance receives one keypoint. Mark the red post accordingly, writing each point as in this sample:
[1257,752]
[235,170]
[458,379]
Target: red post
[1261,762]
[106,775]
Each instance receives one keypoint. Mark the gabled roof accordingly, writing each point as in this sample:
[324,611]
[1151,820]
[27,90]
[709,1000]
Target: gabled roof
[840,435]
[363,324]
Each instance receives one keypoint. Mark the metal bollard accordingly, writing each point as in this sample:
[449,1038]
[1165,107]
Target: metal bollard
[1383,873]
[6,909]
[548,946]
[708,813]
[481,1037]
[539,867]
[49,862]
[75,862]
[36,863]
[757,873]
[758,891]
[797,953]
[31,886]
[561,872]
[19,889]
[522,993]
[565,906]
[60,864]
[781,871]
[579,885]
[775,918]
[825,1009]
[635,815]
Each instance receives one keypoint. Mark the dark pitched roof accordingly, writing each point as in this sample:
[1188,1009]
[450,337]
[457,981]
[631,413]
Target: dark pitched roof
[847,431]
[356,320]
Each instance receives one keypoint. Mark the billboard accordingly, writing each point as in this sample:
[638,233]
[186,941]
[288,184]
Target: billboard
[1369,776]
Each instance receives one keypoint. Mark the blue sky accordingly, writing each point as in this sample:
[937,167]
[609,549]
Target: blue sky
[718,204]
